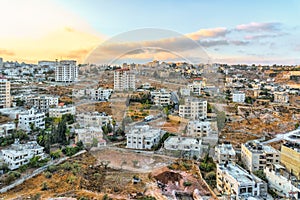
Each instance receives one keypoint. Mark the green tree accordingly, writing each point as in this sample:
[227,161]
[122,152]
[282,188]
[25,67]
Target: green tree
[260,174]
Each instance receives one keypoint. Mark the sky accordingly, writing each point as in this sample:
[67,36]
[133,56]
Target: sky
[95,31]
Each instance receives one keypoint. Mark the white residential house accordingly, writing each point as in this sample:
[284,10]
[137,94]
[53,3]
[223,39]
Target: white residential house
[61,110]
[189,146]
[238,97]
[197,128]
[283,183]
[90,136]
[225,153]
[31,116]
[194,109]
[124,80]
[257,156]
[20,154]
[237,183]
[94,119]
[161,97]
[5,98]
[7,129]
[143,137]
[185,91]
[99,94]
[281,97]
[195,87]
[66,71]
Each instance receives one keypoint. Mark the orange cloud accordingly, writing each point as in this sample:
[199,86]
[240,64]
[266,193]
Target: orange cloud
[208,33]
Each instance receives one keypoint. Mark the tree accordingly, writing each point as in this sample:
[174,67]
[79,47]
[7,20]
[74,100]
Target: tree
[95,142]
[260,174]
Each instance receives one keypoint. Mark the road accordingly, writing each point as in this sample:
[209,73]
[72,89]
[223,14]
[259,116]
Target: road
[286,136]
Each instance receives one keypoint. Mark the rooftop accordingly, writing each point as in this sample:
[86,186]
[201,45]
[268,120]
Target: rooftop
[238,173]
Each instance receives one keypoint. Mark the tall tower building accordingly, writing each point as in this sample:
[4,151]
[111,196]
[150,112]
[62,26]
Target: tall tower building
[66,71]
[4,93]
[124,79]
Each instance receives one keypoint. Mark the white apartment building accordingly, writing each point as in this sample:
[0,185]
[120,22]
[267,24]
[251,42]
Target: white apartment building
[59,111]
[197,128]
[189,146]
[7,129]
[31,116]
[88,135]
[124,80]
[161,97]
[280,180]
[99,94]
[225,153]
[238,97]
[194,109]
[257,156]
[195,87]
[42,103]
[5,98]
[237,183]
[20,154]
[94,119]
[66,71]
[143,137]
[281,97]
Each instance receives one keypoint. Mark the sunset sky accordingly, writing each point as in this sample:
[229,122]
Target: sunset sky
[260,32]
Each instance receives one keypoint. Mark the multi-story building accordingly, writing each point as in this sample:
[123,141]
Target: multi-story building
[42,103]
[161,97]
[238,97]
[237,183]
[124,80]
[188,146]
[196,86]
[257,156]
[143,137]
[66,71]
[7,129]
[61,110]
[197,128]
[194,109]
[290,156]
[90,137]
[94,119]
[225,153]
[5,99]
[20,154]
[282,182]
[281,97]
[32,116]
[99,94]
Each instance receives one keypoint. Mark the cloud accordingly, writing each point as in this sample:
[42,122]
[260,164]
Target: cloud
[262,36]
[208,33]
[211,43]
[257,26]
[4,52]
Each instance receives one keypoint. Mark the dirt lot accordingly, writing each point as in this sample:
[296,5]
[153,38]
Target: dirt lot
[81,177]
[131,161]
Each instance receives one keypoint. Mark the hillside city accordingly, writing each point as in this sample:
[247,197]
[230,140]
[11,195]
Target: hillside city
[156,130]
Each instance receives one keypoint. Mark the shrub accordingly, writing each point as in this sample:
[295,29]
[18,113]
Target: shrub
[187,183]
[48,174]
[44,186]
[52,168]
